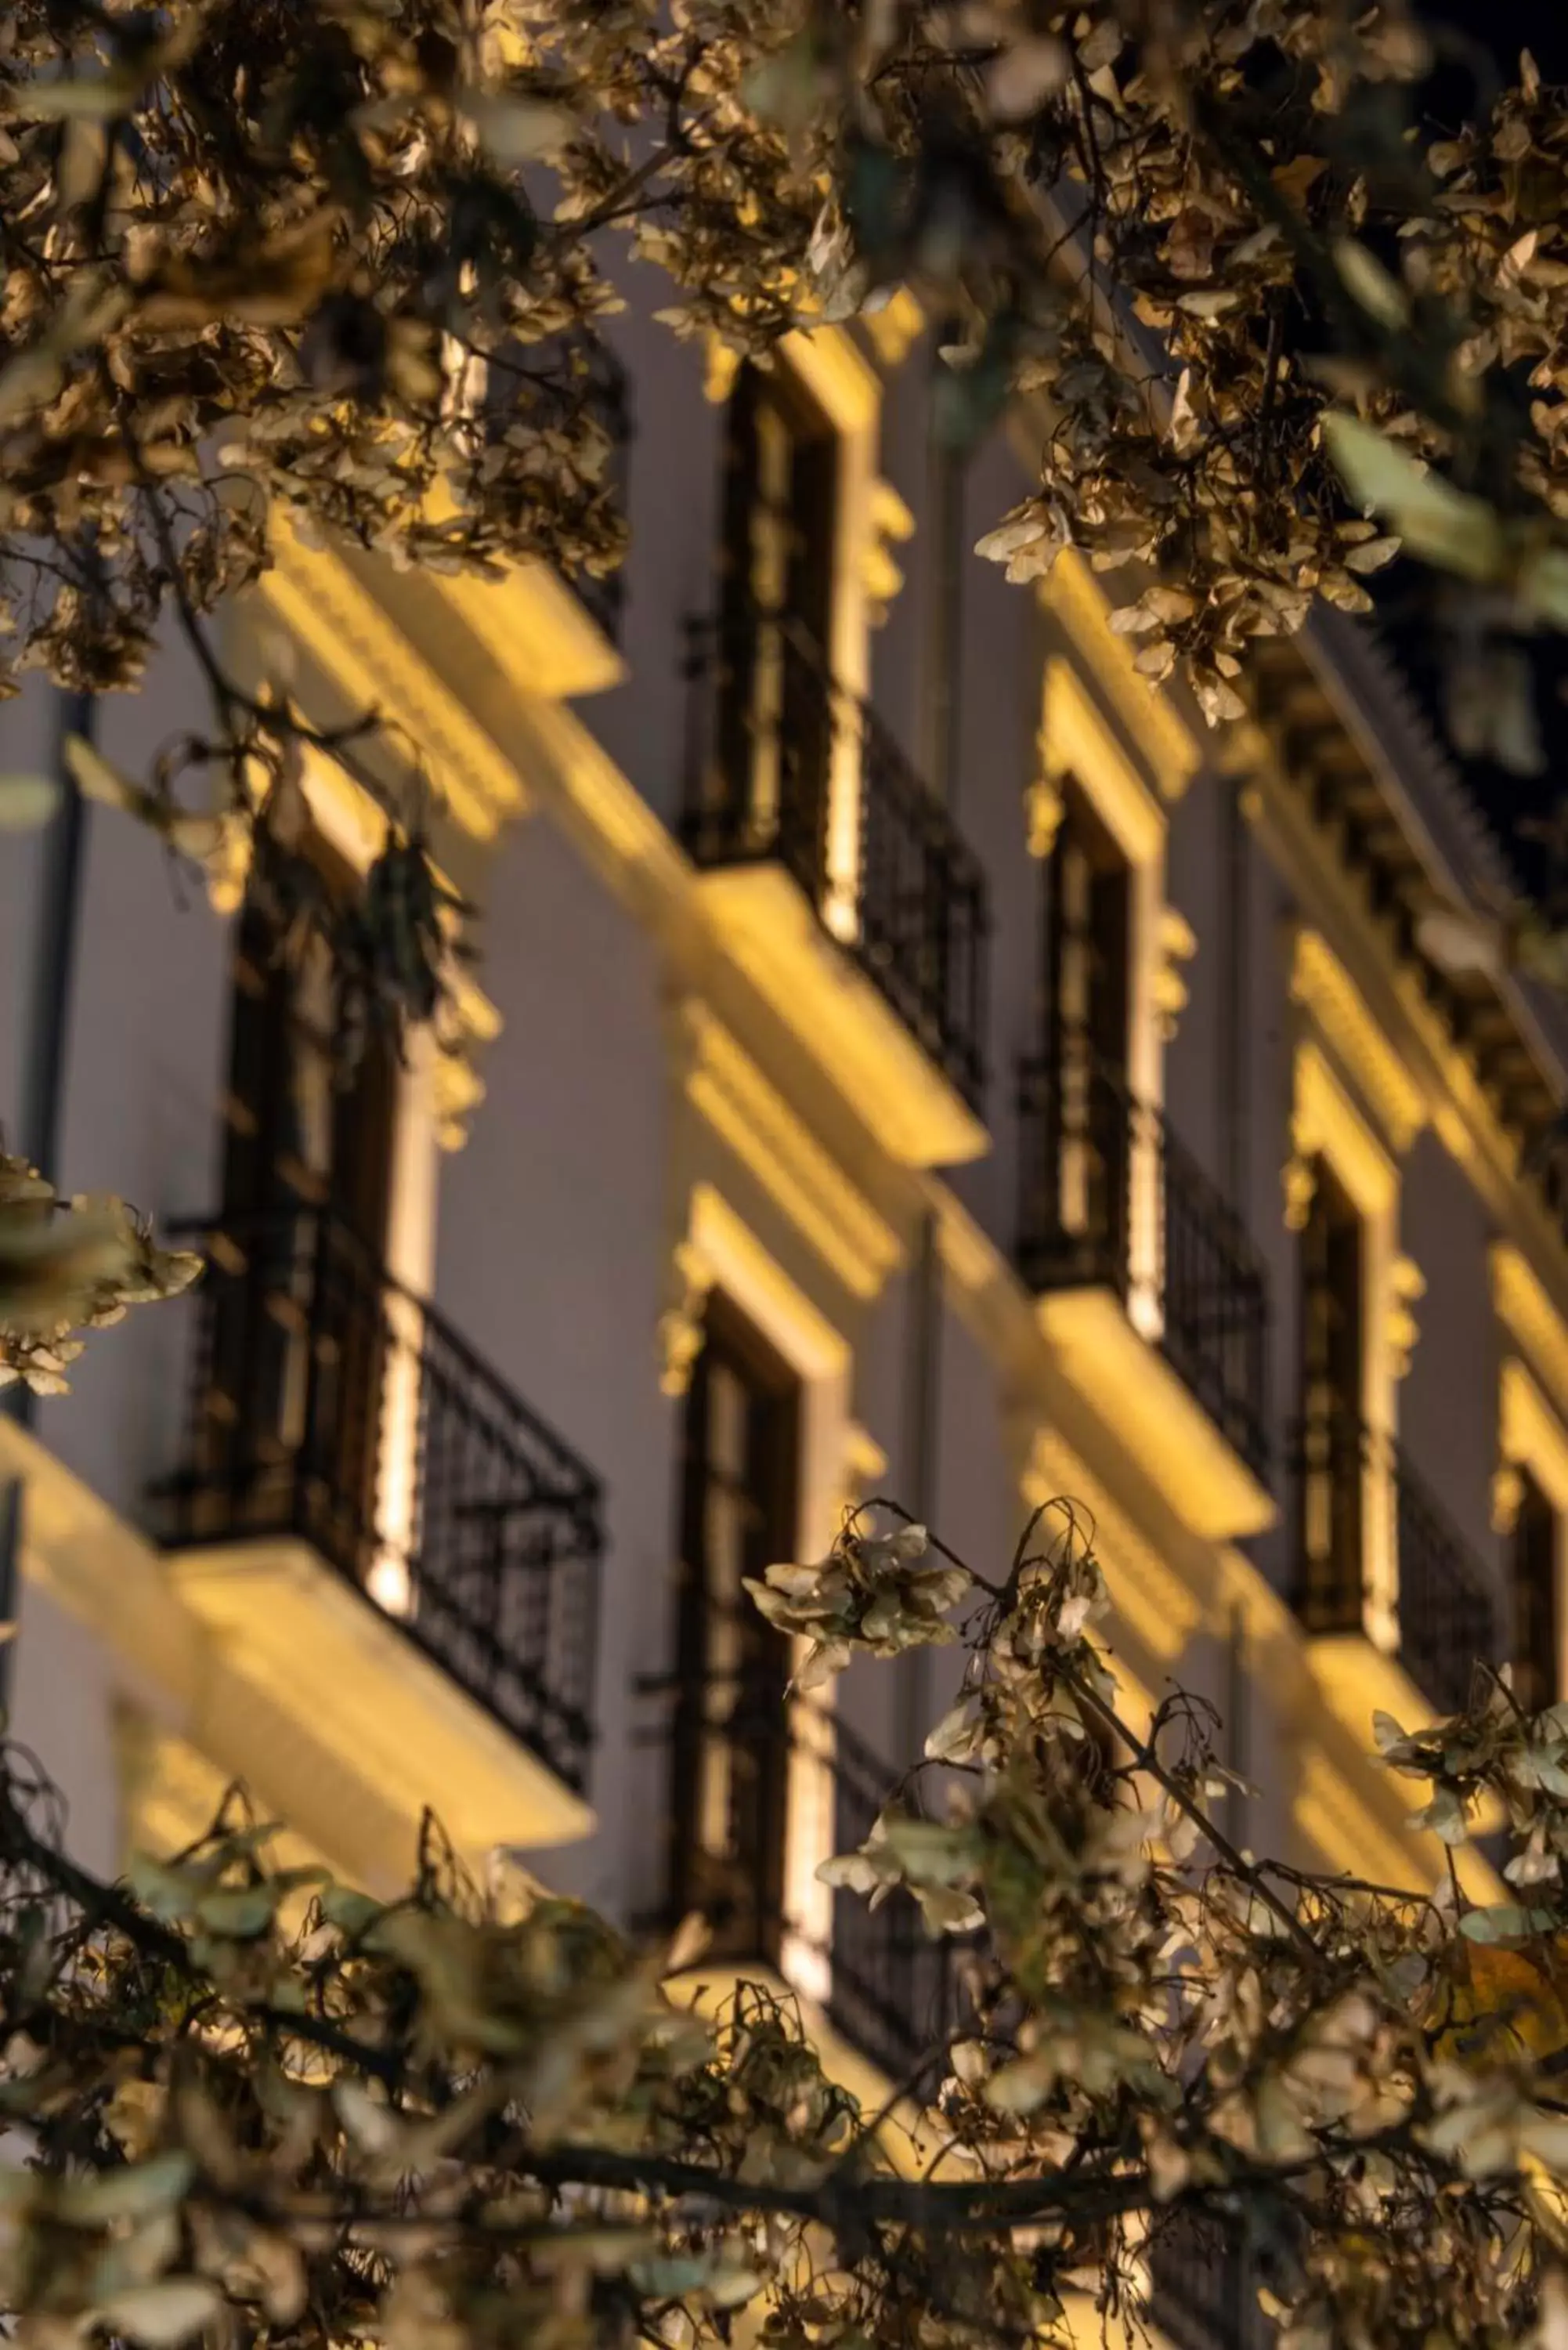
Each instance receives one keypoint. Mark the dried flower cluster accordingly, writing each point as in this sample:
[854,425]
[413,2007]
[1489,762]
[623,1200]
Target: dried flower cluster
[249,2106]
[339,267]
[67,1266]
[1255,184]
[343,265]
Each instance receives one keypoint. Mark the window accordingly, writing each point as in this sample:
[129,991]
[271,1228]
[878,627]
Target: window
[1529,1510]
[780,500]
[1086,995]
[776,565]
[1087,939]
[1332,1441]
[731,1746]
[1532,1577]
[309,1121]
[297,1334]
[1332,1262]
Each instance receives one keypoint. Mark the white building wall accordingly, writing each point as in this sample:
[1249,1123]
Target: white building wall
[557,1222]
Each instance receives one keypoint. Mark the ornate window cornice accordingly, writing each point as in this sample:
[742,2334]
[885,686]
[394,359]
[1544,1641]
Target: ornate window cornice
[1325,988]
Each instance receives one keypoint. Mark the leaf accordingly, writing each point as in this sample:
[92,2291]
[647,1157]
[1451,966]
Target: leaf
[1371,555]
[131,2193]
[352,1911]
[954,1737]
[243,1911]
[27,802]
[1026,73]
[1297,179]
[687,1943]
[1369,284]
[1504,1921]
[1446,525]
[96,779]
[31,379]
[165,2313]
[513,129]
[66,99]
[1459,941]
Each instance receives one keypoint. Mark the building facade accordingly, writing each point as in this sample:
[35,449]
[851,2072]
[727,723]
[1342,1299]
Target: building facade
[907,1054]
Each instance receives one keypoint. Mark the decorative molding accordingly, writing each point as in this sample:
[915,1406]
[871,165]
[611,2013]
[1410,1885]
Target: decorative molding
[1406,1286]
[719,1249]
[840,1017]
[1299,1178]
[680,1323]
[1176,943]
[1075,740]
[357,645]
[1463,1117]
[456,1085]
[865,1462]
[1530,1435]
[722,366]
[1322,985]
[776,1147]
[1525,1310]
[895,327]
[1507,1494]
[1044,806]
[837,375]
[865,1466]
[1325,1120]
[889,524]
[1171,750]
[727,1251]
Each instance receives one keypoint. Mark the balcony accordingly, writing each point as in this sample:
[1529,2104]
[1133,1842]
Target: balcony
[772,1788]
[401,1549]
[1147,1286]
[1383,1576]
[840,883]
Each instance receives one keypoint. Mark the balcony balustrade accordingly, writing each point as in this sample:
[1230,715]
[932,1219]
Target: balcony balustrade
[788,772]
[740,1758]
[1115,1206]
[330,1405]
[1355,1487]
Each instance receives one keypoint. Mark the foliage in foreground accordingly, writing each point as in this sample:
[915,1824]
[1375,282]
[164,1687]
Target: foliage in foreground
[67,1266]
[434,2123]
[341,267]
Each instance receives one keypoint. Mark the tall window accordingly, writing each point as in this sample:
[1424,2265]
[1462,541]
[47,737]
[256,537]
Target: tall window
[776,563]
[780,500]
[1087,937]
[1333,1265]
[731,1741]
[1532,1573]
[1086,995]
[307,1122]
[298,1334]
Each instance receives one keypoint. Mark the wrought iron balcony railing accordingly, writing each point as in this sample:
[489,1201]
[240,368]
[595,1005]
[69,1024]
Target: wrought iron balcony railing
[1096,1160]
[330,1404]
[786,765]
[736,1750]
[1352,1486]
